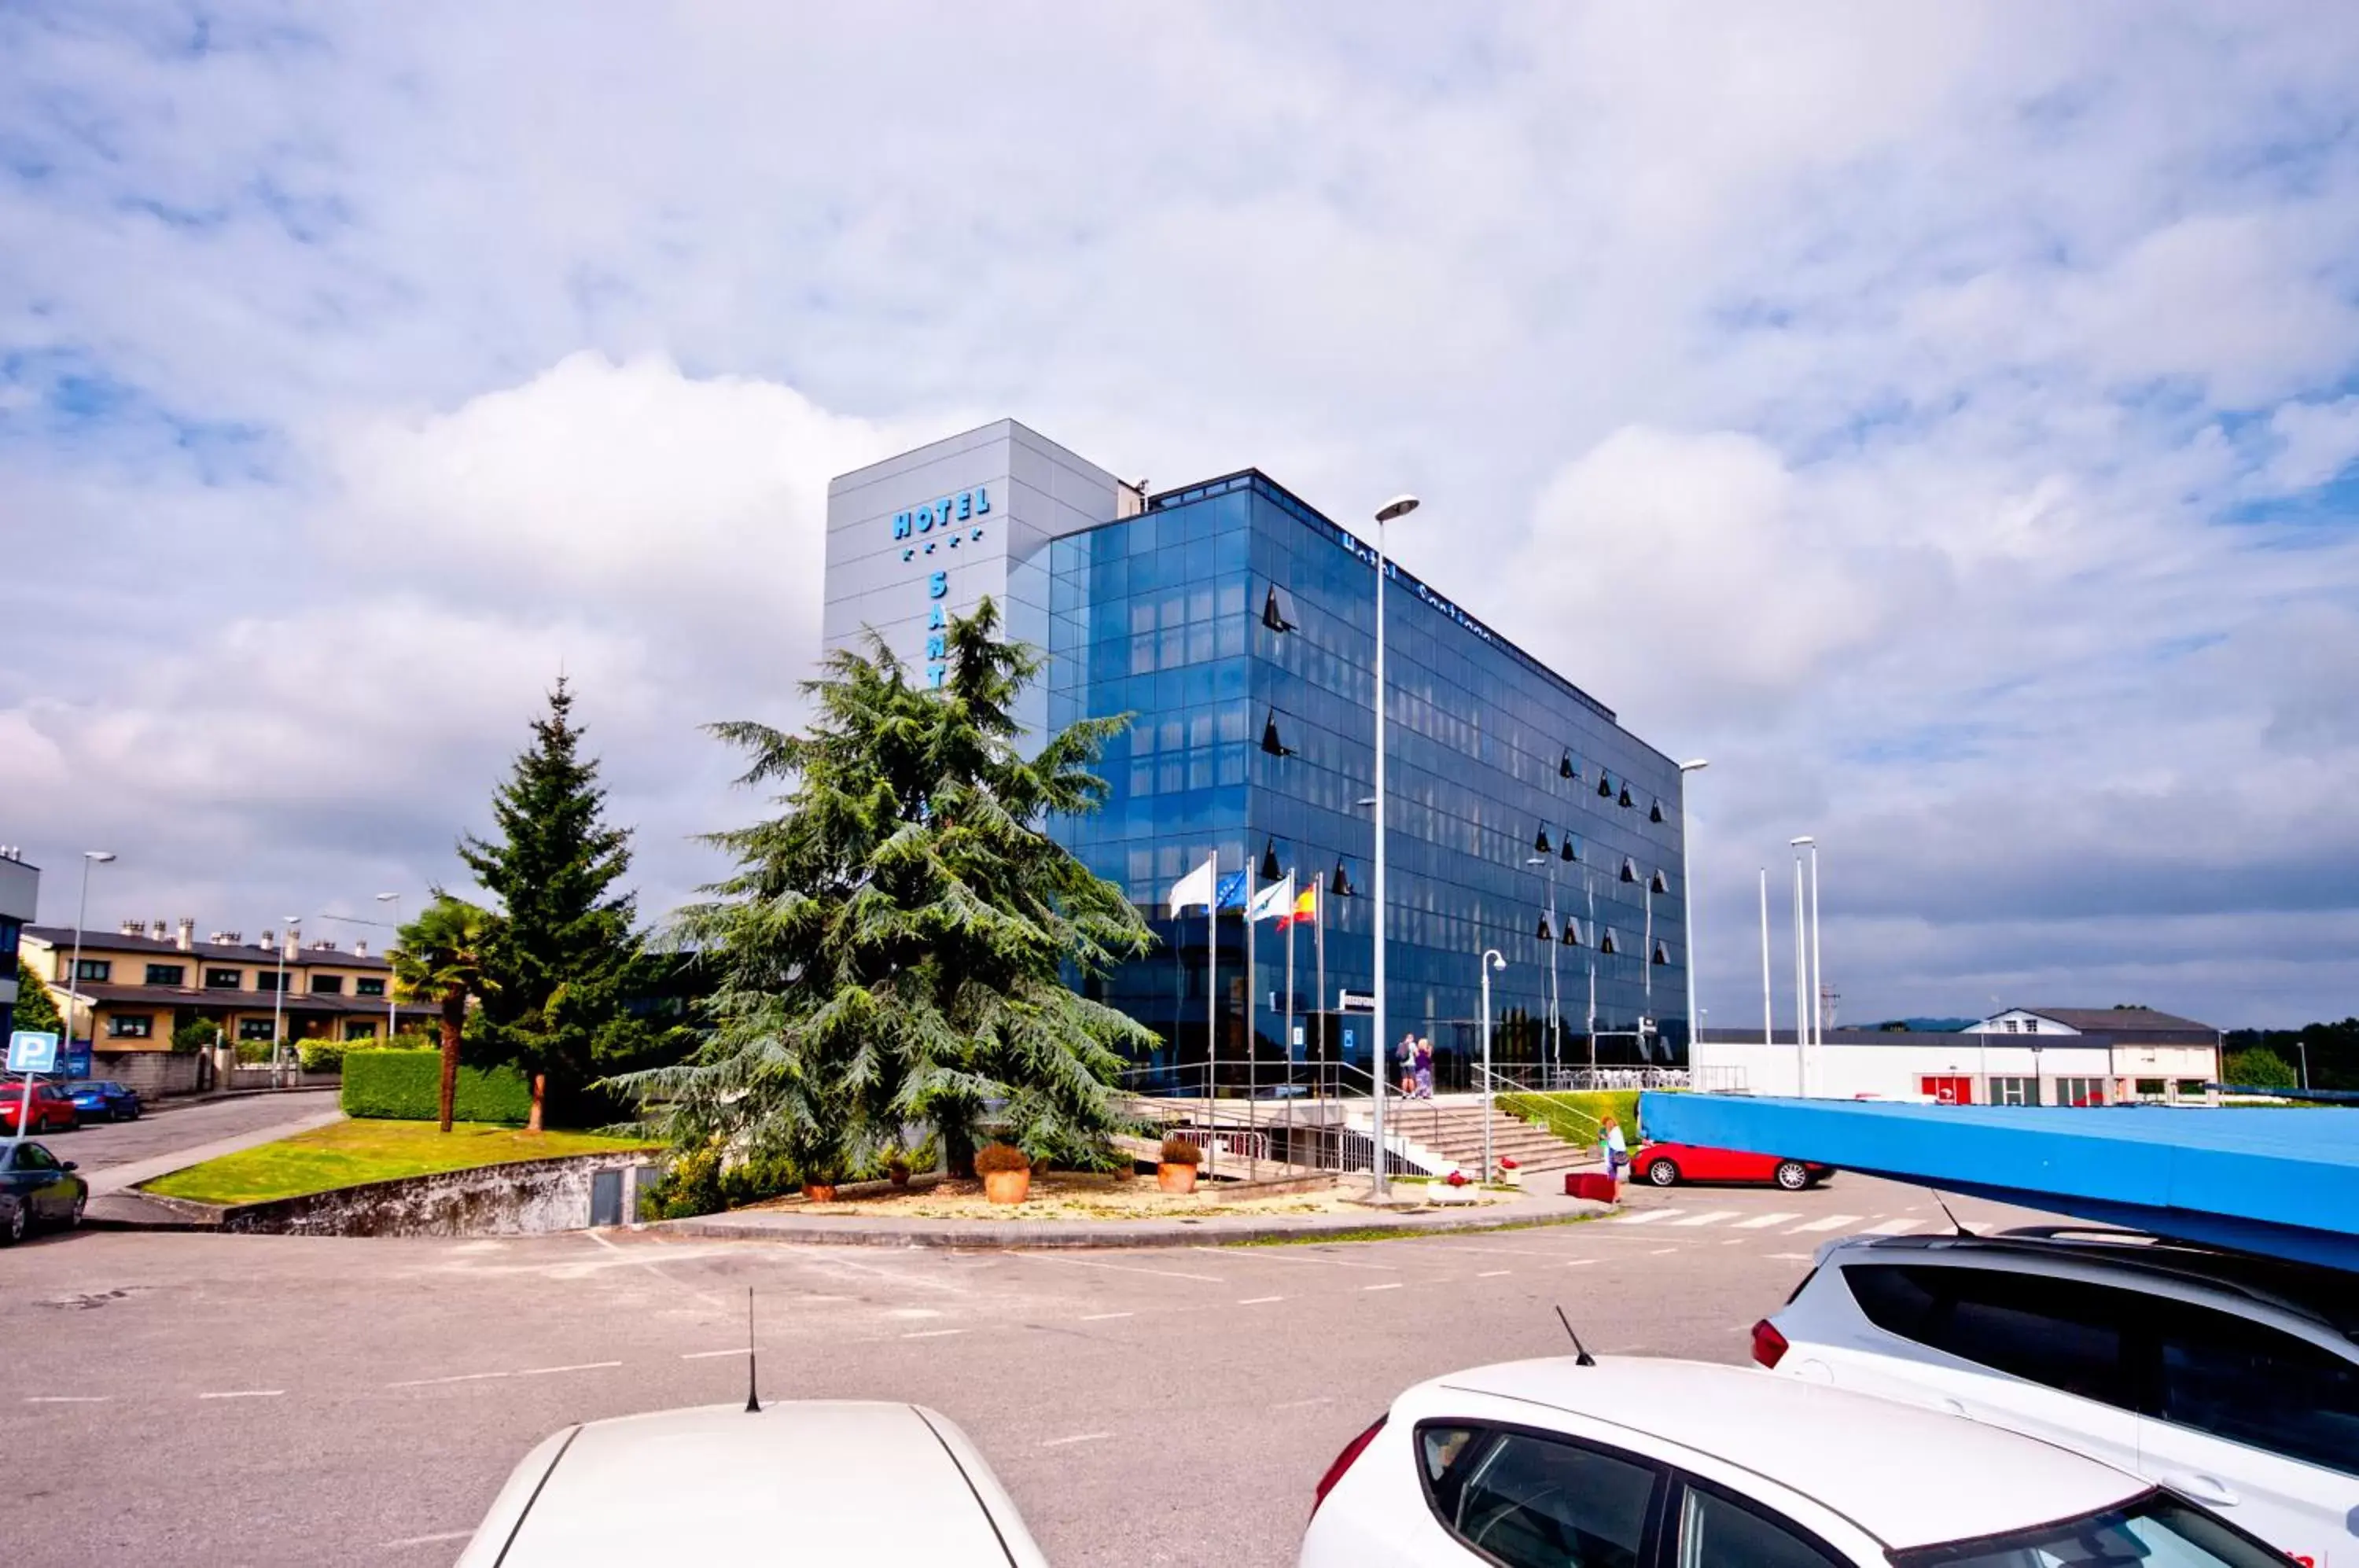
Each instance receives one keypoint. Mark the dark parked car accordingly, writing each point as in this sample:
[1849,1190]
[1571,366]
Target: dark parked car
[103,1100]
[37,1188]
[52,1112]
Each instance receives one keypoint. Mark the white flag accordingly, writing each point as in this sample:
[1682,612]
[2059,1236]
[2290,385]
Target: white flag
[1278,900]
[1196,887]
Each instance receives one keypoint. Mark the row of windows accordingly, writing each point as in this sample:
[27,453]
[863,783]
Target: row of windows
[100,971]
[142,1025]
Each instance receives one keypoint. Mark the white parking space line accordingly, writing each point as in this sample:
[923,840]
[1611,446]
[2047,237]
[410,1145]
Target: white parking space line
[577,1366]
[1266,1255]
[1708,1216]
[932,1333]
[1258,1300]
[1645,1216]
[1792,1256]
[67,1398]
[1578,1262]
[1492,1273]
[1383,1285]
[244,1394]
[704,1355]
[1116,1267]
[1077,1437]
[1662,1251]
[1892,1227]
[1100,1317]
[1304,1404]
[454,1377]
[1831,1222]
[428,1539]
[1762,1221]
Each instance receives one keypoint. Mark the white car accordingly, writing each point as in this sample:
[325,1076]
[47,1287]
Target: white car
[810,1481]
[2231,1379]
[1645,1463]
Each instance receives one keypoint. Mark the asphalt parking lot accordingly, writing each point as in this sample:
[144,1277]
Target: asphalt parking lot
[218,1400]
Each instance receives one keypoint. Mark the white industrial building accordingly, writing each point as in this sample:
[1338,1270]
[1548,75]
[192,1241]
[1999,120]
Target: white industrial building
[2024,1056]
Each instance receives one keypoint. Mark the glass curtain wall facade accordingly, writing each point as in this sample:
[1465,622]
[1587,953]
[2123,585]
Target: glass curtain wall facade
[1237,626]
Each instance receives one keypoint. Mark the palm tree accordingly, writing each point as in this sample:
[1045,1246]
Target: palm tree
[440,964]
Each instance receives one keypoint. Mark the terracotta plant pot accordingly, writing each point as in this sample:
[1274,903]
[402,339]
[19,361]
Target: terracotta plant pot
[1176,1178]
[819,1192]
[1007,1186]
[898,1174]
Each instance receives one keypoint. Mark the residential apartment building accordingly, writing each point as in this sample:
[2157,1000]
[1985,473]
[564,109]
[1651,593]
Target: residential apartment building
[138,983]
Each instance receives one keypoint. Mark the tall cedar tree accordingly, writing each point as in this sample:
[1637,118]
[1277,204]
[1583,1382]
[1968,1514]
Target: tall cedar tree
[35,1011]
[895,945]
[561,958]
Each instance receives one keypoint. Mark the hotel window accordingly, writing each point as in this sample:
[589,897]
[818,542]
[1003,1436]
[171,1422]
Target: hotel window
[2010,1026]
[1565,769]
[253,1029]
[1572,848]
[2014,1091]
[1655,812]
[99,969]
[1605,786]
[2031,1026]
[1271,742]
[1277,610]
[1662,952]
[1659,883]
[327,985]
[360,1028]
[368,987]
[1625,794]
[1540,846]
[2150,1088]
[1606,943]
[1571,933]
[269,980]
[1629,869]
[2193,1086]
[131,1026]
[224,979]
[9,930]
[167,973]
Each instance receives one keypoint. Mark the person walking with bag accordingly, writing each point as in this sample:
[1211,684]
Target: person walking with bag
[1617,1148]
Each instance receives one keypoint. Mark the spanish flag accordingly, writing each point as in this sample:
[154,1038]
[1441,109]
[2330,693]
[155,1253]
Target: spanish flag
[1305,909]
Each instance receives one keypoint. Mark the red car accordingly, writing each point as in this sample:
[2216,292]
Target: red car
[1668,1164]
[52,1112]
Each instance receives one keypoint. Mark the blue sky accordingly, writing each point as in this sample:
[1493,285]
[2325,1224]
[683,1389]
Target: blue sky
[1942,418]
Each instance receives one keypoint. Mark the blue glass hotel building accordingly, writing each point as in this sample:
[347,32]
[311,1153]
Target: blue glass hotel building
[1237,624]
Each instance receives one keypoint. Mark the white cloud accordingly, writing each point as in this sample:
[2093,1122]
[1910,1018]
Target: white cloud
[2319,441]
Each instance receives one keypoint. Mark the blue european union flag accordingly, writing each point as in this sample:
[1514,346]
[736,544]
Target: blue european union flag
[1231,893]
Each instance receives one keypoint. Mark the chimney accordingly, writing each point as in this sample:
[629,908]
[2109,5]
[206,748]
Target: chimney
[156,930]
[294,948]
[188,937]
[359,947]
[130,928]
[269,940]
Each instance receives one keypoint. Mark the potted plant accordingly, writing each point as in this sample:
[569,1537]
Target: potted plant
[819,1192]
[897,1168]
[1175,1171]
[1006,1172]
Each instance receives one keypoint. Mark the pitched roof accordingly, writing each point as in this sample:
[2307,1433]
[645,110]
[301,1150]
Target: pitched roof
[2119,1020]
[98,941]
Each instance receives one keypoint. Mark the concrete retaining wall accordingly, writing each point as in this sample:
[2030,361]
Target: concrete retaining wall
[154,1074]
[527,1197]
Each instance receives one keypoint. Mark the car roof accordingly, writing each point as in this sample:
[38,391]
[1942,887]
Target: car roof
[1907,1476]
[2323,1295]
[720,1483]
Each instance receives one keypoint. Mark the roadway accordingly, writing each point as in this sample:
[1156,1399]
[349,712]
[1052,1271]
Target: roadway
[204,1400]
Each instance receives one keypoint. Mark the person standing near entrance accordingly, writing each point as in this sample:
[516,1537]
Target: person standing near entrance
[1617,1148]
[1408,1067]
[1424,1067]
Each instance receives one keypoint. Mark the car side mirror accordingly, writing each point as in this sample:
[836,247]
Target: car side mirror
[68,1165]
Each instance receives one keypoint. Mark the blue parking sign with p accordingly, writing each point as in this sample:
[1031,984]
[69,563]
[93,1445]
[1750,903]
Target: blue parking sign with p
[33,1050]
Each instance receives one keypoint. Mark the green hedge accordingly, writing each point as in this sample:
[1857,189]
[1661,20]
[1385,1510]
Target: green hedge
[322,1055]
[1587,1108]
[406,1085]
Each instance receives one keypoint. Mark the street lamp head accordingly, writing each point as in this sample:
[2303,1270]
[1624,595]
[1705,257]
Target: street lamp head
[1398,507]
[1496,962]
[1693,763]
[98,856]
[387,898]
[1799,843]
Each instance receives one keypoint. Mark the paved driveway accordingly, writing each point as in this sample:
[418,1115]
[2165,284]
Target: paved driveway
[168,1128]
[209,1400]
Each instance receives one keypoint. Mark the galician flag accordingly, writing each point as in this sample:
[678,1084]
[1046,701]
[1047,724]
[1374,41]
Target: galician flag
[1273,900]
[1196,887]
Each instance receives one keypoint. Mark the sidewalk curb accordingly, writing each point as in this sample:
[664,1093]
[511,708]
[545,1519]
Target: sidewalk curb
[1019,1235]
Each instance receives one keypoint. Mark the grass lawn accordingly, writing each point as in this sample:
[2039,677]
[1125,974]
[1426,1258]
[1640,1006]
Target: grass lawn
[351,1152]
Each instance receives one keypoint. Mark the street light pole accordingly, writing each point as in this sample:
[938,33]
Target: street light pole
[89,857]
[1818,970]
[1687,906]
[391,1021]
[1548,1062]
[1488,963]
[278,1003]
[1802,988]
[1398,507]
[1769,1008]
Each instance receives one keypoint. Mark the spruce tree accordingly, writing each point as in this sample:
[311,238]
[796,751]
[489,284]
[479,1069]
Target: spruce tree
[561,960]
[896,944]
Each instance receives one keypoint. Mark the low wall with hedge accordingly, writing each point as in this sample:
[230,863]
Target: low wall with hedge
[406,1085]
[1574,1115]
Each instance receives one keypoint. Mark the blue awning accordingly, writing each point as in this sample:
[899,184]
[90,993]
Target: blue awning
[2279,1181]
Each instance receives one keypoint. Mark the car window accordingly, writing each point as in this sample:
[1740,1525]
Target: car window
[1718,1532]
[1535,1502]
[2253,1383]
[2065,1333]
[33,1156]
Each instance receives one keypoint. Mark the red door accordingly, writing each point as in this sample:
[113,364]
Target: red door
[1948,1091]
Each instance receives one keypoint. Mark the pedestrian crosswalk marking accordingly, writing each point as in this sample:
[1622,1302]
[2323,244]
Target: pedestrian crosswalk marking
[1645,1216]
[1709,1216]
[1892,1227]
[1831,1222]
[1762,1221]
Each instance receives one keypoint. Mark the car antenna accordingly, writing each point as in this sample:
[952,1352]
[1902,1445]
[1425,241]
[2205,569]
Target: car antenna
[1944,1204]
[753,1398]
[1581,1357]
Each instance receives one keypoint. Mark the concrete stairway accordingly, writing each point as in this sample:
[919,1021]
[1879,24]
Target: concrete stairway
[1453,1128]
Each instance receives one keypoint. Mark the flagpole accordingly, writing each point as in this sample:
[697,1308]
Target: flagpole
[1253,977]
[1211,1003]
[1319,913]
[1290,987]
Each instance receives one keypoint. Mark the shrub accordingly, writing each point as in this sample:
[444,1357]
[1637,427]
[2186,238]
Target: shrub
[1574,1115]
[692,1187]
[252,1052]
[2261,1067]
[197,1034]
[322,1055]
[994,1157]
[1177,1150]
[406,1085]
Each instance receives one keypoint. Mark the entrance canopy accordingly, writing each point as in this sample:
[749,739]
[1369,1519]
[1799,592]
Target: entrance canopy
[2283,1182]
